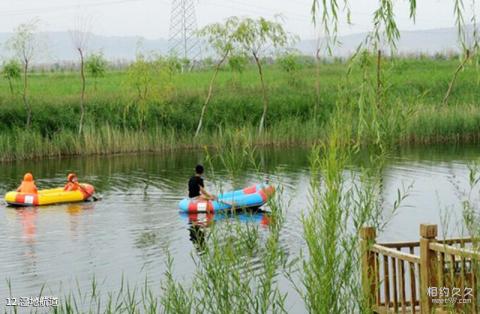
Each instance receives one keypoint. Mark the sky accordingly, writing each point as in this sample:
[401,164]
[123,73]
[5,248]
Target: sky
[151,18]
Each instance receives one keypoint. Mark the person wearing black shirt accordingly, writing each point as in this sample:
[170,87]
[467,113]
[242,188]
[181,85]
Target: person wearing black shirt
[196,187]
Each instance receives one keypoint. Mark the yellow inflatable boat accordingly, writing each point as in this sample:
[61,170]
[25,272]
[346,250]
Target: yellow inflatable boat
[50,196]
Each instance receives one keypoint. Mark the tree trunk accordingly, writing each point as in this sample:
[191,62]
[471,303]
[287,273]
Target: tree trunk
[10,84]
[234,80]
[209,95]
[264,94]
[379,77]
[28,109]
[82,95]
[452,82]
[317,85]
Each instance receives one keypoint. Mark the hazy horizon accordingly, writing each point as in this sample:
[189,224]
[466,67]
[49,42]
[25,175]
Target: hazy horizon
[150,19]
[60,48]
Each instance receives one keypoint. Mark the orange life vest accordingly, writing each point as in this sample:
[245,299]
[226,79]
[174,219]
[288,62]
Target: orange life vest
[28,187]
[72,186]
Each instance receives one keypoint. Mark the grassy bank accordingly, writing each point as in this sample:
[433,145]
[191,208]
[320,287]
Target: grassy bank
[105,140]
[428,125]
[119,120]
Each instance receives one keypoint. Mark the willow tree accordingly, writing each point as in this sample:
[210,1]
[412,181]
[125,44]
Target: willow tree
[25,45]
[220,38]
[255,37]
[80,36]
[328,12]
[237,64]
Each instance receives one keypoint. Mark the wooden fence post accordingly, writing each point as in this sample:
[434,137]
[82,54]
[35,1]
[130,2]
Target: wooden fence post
[368,236]
[428,234]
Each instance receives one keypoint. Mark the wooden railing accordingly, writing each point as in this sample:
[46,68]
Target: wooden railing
[414,277]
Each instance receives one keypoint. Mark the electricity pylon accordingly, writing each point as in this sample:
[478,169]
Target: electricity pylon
[183,39]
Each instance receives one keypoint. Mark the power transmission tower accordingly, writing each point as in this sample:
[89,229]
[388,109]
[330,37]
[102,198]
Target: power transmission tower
[183,40]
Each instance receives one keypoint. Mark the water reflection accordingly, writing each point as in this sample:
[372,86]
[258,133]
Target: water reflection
[74,209]
[127,231]
[198,223]
[28,218]
[76,220]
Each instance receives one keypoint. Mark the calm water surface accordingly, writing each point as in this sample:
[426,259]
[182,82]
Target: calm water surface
[126,233]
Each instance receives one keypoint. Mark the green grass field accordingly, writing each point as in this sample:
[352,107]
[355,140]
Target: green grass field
[411,108]
[408,77]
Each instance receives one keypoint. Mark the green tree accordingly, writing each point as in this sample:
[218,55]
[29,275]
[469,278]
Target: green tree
[254,36]
[172,65]
[237,64]
[25,44]
[290,63]
[96,66]
[141,76]
[220,38]
[11,71]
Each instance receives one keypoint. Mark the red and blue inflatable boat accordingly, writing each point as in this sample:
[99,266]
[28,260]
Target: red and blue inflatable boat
[251,197]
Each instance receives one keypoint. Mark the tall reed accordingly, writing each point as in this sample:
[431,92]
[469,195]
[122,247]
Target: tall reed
[236,269]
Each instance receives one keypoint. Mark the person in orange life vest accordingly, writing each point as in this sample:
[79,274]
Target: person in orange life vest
[72,183]
[28,185]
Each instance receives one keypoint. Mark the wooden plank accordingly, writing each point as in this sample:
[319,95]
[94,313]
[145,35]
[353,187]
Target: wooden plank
[418,285]
[448,249]
[428,261]
[386,281]
[377,280]
[417,243]
[394,282]
[395,253]
[456,240]
[413,287]
[462,279]
[441,270]
[401,281]
[473,284]
[453,270]
[409,244]
[400,245]
[383,310]
[368,235]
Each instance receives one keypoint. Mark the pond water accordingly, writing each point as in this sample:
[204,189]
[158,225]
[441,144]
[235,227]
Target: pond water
[125,234]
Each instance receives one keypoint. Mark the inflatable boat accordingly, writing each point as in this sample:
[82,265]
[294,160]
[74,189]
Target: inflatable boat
[50,196]
[252,197]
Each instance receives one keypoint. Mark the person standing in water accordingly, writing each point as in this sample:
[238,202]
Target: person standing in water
[28,185]
[196,186]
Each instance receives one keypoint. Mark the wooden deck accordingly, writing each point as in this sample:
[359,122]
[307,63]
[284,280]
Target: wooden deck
[408,309]
[388,310]
[422,276]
